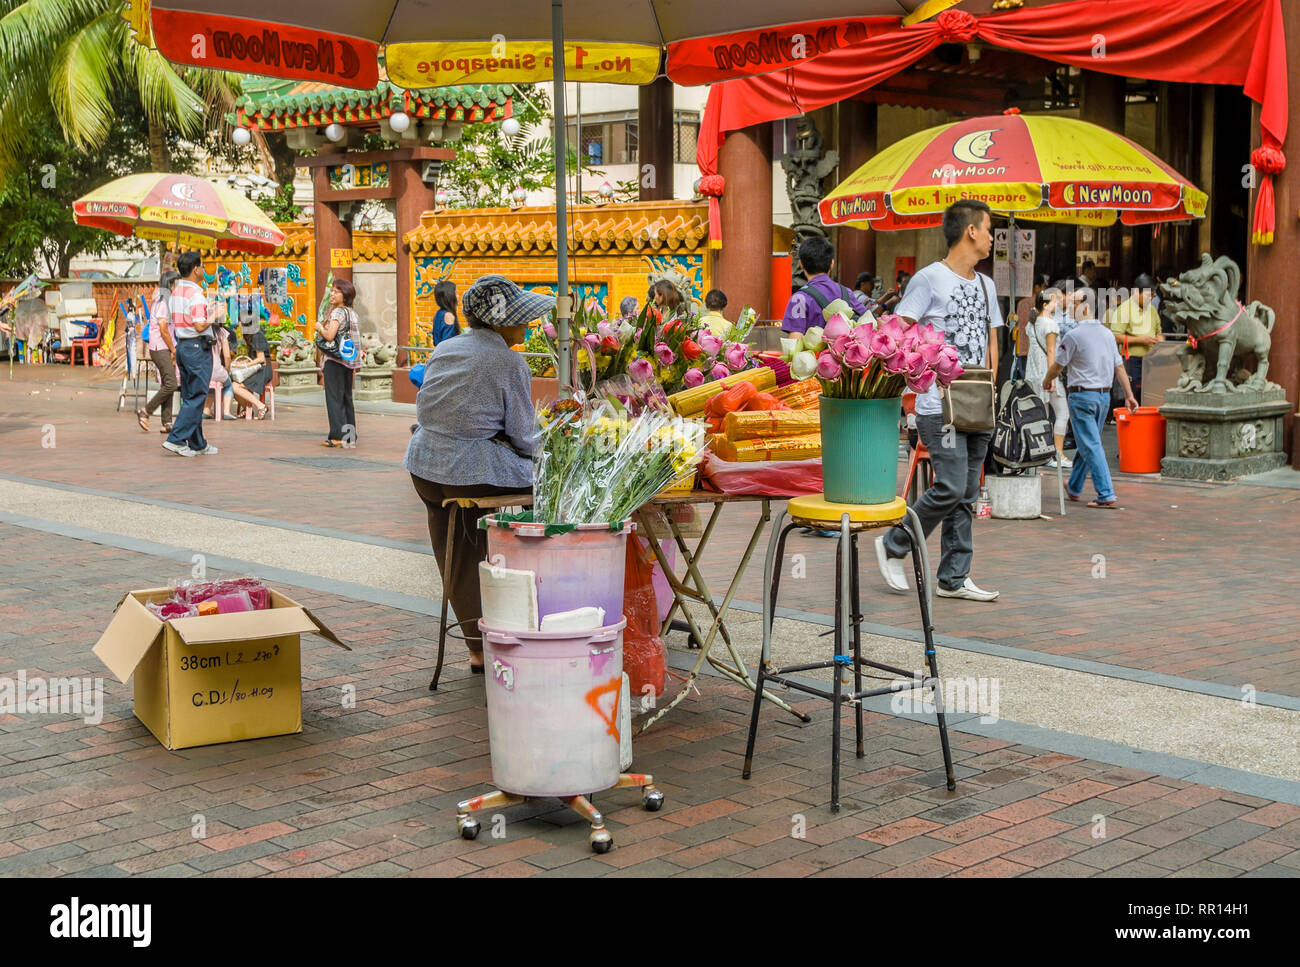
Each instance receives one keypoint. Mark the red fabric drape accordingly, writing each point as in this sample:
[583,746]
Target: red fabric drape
[1207,41]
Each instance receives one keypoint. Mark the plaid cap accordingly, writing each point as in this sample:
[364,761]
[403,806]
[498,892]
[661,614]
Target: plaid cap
[500,303]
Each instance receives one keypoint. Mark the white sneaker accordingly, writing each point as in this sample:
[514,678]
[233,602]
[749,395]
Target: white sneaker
[210,451]
[891,568]
[968,591]
[1064,462]
[179,449]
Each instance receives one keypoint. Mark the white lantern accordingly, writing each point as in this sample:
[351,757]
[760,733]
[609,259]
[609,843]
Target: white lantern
[440,197]
[510,127]
[399,121]
[519,195]
[607,191]
[241,136]
[334,132]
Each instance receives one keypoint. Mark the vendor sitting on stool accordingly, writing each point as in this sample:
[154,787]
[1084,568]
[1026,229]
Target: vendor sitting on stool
[476,434]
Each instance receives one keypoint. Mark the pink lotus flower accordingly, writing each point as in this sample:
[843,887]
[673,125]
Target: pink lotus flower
[930,352]
[910,341]
[857,356]
[828,368]
[841,345]
[736,357]
[922,383]
[916,364]
[929,336]
[549,329]
[896,363]
[592,339]
[882,344]
[693,377]
[641,370]
[710,343]
[665,354]
[835,327]
[719,371]
[947,367]
[605,330]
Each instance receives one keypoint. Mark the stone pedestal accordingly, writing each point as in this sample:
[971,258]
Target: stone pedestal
[296,379]
[1222,436]
[373,383]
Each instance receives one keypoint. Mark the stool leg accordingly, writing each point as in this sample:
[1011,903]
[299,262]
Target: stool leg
[771,580]
[841,647]
[915,536]
[446,586]
[857,640]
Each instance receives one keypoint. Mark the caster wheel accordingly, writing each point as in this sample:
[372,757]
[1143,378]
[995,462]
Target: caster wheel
[468,828]
[601,841]
[654,801]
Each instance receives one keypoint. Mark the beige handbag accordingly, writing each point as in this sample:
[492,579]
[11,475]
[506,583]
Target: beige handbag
[969,402]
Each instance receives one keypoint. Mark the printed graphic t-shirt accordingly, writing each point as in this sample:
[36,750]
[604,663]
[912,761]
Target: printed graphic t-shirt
[962,309]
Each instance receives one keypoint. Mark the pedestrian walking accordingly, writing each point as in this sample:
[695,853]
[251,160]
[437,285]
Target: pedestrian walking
[1136,325]
[476,433]
[1042,331]
[191,332]
[1094,363]
[162,348]
[341,323]
[962,304]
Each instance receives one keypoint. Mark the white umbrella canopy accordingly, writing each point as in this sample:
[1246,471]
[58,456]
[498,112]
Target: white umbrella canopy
[435,43]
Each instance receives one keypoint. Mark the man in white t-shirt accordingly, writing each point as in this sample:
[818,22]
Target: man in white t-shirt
[190,322]
[962,303]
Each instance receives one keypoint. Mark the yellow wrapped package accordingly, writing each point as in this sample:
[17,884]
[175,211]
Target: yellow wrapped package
[803,395]
[691,402]
[804,447]
[759,424]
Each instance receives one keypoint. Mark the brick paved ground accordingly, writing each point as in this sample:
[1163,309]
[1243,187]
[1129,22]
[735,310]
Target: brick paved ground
[370,790]
[1197,583]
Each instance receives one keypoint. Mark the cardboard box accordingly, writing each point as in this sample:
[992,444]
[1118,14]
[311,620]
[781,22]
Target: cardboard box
[215,678]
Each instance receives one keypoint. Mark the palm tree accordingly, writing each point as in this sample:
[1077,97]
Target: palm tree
[61,62]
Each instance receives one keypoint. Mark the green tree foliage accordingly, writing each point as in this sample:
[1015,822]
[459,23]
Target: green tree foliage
[490,164]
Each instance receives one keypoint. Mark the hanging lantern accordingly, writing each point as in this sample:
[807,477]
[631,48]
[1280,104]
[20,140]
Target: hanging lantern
[399,121]
[519,195]
[440,197]
[241,136]
[607,191]
[334,132]
[510,127]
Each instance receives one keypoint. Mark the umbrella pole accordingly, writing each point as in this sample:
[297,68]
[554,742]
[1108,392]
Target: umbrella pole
[561,208]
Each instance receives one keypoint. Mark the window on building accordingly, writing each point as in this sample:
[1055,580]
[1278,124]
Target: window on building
[686,132]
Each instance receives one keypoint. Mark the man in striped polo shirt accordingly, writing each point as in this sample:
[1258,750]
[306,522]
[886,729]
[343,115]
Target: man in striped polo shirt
[188,308]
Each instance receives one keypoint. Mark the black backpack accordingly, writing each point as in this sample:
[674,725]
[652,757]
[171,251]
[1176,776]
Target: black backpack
[1022,434]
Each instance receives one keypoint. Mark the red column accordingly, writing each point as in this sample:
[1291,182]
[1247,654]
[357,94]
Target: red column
[655,139]
[331,234]
[744,266]
[414,197]
[856,249]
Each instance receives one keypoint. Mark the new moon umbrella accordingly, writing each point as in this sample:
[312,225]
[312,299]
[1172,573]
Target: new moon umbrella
[433,43]
[1026,166]
[181,209]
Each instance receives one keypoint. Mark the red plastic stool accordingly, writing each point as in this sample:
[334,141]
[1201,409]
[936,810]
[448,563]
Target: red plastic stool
[918,483]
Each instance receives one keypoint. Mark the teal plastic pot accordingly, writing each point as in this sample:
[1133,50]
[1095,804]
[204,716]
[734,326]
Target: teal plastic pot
[860,450]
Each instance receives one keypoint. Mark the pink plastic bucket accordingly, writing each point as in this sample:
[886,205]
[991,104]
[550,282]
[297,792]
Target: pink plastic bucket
[580,568]
[553,709]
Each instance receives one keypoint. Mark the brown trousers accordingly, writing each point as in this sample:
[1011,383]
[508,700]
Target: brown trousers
[469,547]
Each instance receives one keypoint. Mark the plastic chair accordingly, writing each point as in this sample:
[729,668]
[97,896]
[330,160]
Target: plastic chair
[917,483]
[268,397]
[87,344]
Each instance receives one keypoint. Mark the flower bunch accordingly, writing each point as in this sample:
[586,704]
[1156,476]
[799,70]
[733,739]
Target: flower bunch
[603,347]
[597,464]
[867,361]
[682,353]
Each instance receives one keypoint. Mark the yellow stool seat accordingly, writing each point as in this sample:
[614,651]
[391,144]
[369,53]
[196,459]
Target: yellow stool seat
[816,511]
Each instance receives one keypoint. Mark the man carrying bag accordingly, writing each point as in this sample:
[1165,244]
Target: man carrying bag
[955,424]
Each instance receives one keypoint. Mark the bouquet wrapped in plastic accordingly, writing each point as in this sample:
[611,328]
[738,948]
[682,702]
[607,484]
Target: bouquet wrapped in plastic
[598,464]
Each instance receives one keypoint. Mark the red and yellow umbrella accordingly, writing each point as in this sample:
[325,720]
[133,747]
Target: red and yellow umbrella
[180,209]
[1026,166]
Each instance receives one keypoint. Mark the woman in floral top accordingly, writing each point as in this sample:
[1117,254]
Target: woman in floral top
[341,322]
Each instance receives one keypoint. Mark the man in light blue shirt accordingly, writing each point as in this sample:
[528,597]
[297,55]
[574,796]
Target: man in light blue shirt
[1089,352]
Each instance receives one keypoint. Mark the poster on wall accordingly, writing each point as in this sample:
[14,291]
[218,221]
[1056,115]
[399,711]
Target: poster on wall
[1018,252]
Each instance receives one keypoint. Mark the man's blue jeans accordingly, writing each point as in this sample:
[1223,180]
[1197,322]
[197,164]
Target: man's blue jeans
[1088,415]
[956,459]
[195,363]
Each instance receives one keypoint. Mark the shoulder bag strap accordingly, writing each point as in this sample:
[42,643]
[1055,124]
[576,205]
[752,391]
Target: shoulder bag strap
[988,318]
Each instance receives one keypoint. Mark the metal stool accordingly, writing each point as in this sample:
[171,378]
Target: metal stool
[817,513]
[448,557]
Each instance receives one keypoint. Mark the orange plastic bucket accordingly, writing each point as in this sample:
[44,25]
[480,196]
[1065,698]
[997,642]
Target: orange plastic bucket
[1141,439]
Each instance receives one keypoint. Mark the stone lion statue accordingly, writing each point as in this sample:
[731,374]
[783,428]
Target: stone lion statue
[1204,301]
[300,351]
[378,354]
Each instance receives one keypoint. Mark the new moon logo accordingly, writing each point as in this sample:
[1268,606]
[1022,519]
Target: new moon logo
[974,148]
[1068,194]
[182,191]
